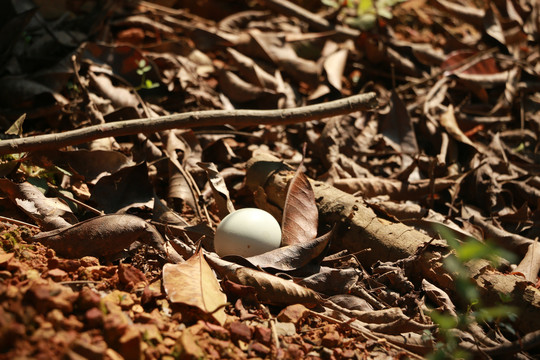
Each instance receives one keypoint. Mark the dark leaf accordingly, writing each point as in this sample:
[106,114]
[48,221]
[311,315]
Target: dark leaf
[101,236]
[269,288]
[300,214]
[292,257]
[126,188]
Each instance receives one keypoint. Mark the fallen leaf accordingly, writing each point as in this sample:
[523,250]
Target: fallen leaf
[448,121]
[398,127]
[393,188]
[334,65]
[219,188]
[119,191]
[438,296]
[331,281]
[193,283]
[16,129]
[292,257]
[300,214]
[269,288]
[49,213]
[101,236]
[90,164]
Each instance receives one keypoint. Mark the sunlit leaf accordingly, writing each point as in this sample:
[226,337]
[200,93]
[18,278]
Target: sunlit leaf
[193,283]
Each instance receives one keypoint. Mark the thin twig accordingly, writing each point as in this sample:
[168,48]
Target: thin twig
[195,119]
[57,192]
[17,222]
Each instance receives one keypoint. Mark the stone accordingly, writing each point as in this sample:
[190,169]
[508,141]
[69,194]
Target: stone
[293,313]
[240,331]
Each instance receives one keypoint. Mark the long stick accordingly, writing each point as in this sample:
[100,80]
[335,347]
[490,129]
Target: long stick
[195,119]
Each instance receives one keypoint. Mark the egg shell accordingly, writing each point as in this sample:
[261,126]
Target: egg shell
[247,232]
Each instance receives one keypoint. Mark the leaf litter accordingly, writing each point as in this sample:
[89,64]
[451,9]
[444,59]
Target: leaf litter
[116,272]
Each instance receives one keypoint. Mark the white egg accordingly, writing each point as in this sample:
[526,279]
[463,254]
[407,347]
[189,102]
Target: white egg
[247,232]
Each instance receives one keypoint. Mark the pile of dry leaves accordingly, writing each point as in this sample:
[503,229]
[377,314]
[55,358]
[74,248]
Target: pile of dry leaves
[396,142]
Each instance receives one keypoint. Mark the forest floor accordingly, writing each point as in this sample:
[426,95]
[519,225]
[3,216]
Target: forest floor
[395,142]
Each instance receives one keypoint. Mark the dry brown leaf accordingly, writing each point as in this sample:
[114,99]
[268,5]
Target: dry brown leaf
[269,288]
[398,127]
[273,289]
[448,121]
[439,297]
[300,214]
[334,65]
[183,155]
[292,257]
[468,14]
[272,47]
[49,213]
[331,281]
[194,283]
[126,188]
[219,188]
[102,236]
[251,71]
[119,96]
[162,213]
[90,164]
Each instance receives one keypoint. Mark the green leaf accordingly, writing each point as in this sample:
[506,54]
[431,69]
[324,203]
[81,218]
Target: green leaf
[149,84]
[364,22]
[365,6]
[445,322]
[39,183]
[496,312]
[474,250]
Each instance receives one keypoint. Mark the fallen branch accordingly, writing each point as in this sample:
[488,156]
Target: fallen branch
[195,119]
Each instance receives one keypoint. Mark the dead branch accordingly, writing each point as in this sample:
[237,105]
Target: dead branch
[195,119]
